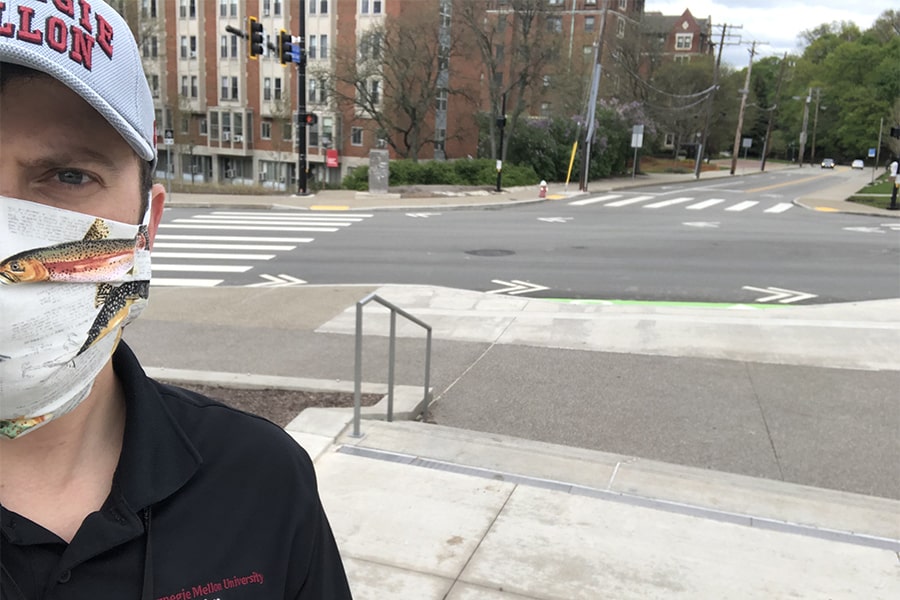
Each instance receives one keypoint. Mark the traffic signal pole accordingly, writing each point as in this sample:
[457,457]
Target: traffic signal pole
[302,164]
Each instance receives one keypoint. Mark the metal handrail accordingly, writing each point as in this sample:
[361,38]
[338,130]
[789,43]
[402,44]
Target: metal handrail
[357,388]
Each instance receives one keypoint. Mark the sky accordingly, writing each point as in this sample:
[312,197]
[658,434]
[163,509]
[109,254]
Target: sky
[777,22]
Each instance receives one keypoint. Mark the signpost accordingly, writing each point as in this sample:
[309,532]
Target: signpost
[637,141]
[169,140]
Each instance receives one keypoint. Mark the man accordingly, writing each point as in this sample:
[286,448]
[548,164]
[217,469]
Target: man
[113,485]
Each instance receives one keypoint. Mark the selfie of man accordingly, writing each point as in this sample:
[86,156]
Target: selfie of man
[113,485]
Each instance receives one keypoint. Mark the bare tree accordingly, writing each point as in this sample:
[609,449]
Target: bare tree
[395,76]
[516,41]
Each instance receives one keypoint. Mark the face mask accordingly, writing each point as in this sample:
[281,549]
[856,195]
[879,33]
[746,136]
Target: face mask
[69,283]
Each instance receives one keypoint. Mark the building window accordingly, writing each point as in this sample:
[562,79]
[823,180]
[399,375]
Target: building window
[226,125]
[184,47]
[278,88]
[498,79]
[498,53]
[234,46]
[234,8]
[153,81]
[214,125]
[234,88]
[313,131]
[193,9]
[620,27]
[440,140]
[684,41]
[376,91]
[554,24]
[277,8]
[327,131]
[193,46]
[323,7]
[323,46]
[589,24]
[683,58]
[225,88]
[356,136]
[238,123]
[182,9]
[267,89]
[311,48]
[287,131]
[184,86]
[441,103]
[203,129]
[376,7]
[364,7]
[623,4]
[223,8]
[223,46]
[265,130]
[313,87]
[267,7]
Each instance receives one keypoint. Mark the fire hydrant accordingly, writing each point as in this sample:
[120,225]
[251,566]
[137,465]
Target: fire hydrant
[542,193]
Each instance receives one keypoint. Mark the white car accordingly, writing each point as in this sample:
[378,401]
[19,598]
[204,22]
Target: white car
[857,164]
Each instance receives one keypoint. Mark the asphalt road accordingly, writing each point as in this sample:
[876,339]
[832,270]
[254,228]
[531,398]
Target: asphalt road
[735,241]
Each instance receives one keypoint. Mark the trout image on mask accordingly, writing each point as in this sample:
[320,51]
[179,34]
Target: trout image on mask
[114,485]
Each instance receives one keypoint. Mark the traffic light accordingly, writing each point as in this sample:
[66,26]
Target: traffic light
[255,40]
[285,48]
[895,132]
[310,118]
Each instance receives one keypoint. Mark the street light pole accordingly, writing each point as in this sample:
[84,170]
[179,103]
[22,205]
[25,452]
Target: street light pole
[302,182]
[803,131]
[812,151]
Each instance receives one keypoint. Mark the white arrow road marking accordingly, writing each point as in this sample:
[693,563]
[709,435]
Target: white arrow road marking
[278,281]
[554,219]
[587,201]
[783,296]
[865,229]
[711,224]
[516,287]
[167,282]
[422,215]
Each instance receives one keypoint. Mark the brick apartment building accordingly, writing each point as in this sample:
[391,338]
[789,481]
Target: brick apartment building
[233,118]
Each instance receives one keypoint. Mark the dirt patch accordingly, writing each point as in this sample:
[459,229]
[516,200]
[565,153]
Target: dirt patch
[279,406]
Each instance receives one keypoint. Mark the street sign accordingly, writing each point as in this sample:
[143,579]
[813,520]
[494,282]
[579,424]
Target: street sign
[331,158]
[871,152]
[637,136]
[746,142]
[169,137]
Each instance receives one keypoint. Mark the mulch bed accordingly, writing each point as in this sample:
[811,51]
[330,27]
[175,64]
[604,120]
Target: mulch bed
[279,406]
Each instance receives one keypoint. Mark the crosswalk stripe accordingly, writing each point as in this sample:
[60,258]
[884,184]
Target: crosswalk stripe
[742,206]
[267,218]
[671,202]
[780,207]
[704,204]
[212,256]
[205,221]
[231,238]
[187,246]
[587,201]
[306,215]
[170,282]
[628,201]
[203,268]
[246,227]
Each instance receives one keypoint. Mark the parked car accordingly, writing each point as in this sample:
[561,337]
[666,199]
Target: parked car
[857,164]
[828,163]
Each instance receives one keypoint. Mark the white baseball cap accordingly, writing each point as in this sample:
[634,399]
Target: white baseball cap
[89,48]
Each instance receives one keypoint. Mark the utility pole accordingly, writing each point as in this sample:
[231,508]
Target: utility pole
[501,125]
[592,104]
[302,166]
[765,152]
[803,131]
[704,140]
[740,124]
[812,152]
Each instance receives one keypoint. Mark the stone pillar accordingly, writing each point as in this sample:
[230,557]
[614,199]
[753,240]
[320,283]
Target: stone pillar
[379,169]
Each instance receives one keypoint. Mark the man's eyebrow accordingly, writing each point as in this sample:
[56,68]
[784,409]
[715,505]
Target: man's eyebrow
[79,155]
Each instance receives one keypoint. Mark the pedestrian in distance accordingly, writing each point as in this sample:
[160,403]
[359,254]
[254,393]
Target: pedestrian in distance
[112,485]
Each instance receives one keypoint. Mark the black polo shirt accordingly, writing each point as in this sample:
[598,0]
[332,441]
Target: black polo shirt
[207,503]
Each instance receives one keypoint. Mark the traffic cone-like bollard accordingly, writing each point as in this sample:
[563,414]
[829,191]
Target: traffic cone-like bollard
[543,190]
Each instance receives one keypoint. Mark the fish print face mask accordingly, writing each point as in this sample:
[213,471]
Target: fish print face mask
[69,283]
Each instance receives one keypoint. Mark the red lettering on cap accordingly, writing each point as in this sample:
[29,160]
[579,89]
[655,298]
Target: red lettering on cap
[85,19]
[65,7]
[25,32]
[105,36]
[57,34]
[82,47]
[7,29]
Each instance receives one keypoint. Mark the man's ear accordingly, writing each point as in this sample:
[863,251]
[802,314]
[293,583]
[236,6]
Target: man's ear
[157,204]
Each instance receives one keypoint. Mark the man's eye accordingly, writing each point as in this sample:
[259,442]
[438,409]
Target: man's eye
[72,177]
